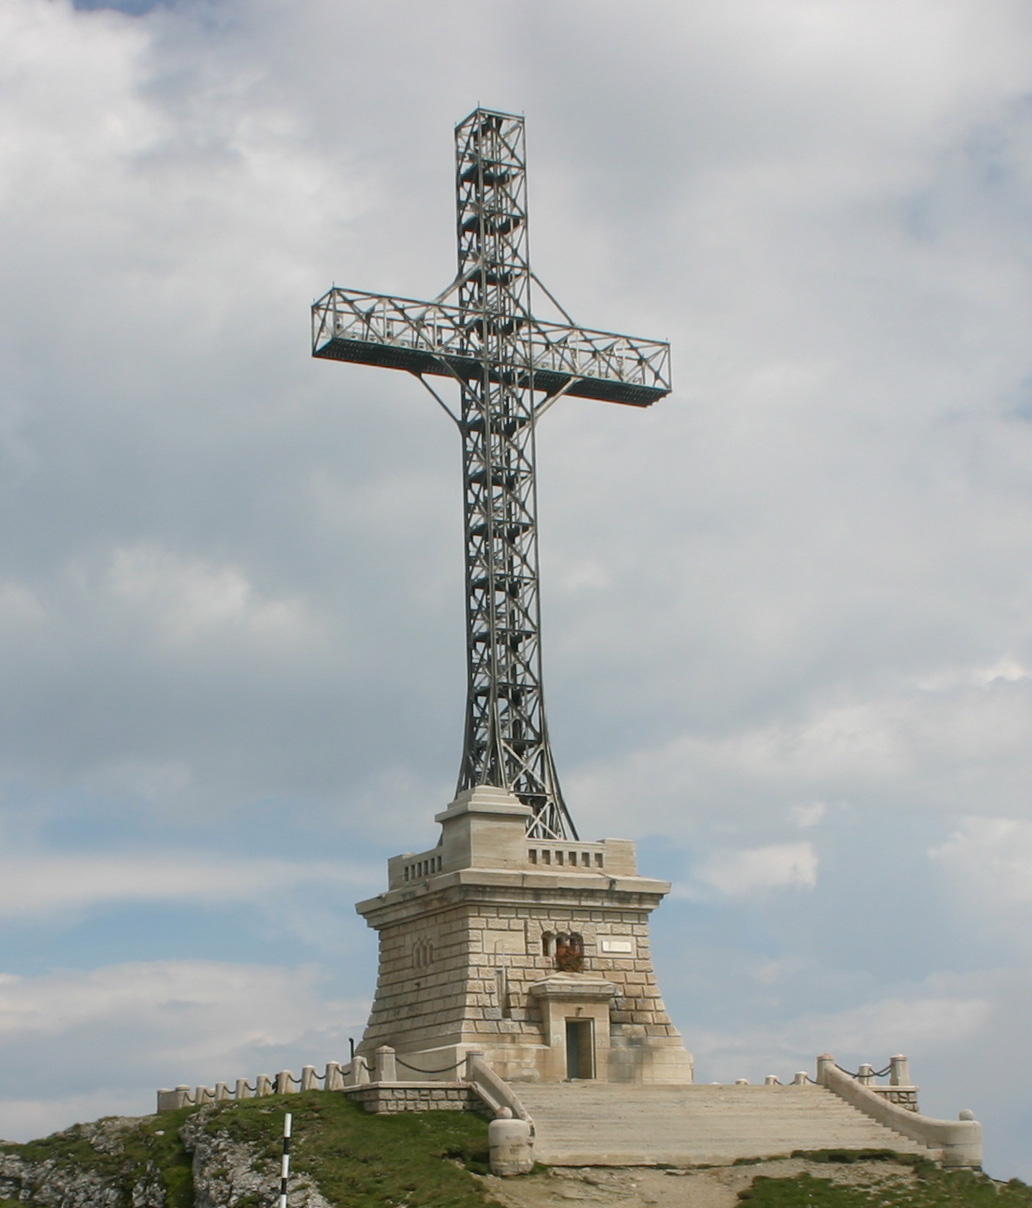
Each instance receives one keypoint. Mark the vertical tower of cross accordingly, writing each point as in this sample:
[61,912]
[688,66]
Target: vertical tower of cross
[509,366]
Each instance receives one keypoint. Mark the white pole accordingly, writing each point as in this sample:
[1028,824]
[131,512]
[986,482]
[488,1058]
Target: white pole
[285,1165]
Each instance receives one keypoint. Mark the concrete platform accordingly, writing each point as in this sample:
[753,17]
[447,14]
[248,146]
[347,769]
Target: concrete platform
[608,1124]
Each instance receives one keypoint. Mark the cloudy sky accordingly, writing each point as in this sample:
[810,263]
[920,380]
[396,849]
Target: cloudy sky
[787,611]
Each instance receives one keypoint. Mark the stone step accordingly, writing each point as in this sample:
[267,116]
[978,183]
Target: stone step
[610,1124]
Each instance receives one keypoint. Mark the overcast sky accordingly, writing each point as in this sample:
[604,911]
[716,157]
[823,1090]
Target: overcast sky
[787,610]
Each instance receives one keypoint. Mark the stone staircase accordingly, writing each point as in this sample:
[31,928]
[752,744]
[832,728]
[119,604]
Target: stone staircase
[613,1124]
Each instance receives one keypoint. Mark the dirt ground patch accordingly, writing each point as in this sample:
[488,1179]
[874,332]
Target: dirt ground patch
[645,1187]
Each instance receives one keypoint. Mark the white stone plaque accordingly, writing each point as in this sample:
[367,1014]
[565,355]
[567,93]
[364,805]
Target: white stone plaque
[617,946]
[512,943]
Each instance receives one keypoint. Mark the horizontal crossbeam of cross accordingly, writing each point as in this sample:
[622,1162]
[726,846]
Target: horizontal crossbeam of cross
[439,339]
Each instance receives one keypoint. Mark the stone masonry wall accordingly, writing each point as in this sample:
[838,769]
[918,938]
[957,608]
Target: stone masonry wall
[456,967]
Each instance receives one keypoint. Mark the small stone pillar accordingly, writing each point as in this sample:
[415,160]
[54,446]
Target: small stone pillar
[899,1071]
[285,1082]
[472,1057]
[357,1073]
[334,1076]
[263,1085]
[825,1062]
[801,1078]
[865,1074]
[385,1068]
[243,1091]
[771,1080]
[511,1148]
[204,1094]
[309,1078]
[222,1092]
[741,1082]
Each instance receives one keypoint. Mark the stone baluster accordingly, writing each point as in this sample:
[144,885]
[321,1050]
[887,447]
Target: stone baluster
[385,1068]
[243,1090]
[899,1071]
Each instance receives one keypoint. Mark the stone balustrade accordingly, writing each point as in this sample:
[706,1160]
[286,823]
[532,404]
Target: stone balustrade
[414,867]
[554,854]
[959,1141]
[336,1077]
[378,1089]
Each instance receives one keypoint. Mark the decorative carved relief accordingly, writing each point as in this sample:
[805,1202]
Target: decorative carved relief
[569,952]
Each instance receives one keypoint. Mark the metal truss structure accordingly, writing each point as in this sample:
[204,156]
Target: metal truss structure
[509,367]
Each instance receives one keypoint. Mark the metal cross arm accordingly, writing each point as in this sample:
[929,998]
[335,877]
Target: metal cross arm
[434,338]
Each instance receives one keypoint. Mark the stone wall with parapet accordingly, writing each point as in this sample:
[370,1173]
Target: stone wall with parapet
[378,1089]
[457,966]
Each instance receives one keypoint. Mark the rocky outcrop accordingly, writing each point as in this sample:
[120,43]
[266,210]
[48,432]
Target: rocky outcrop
[103,1165]
[228,1173]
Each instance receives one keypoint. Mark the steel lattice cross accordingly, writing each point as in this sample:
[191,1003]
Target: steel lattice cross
[510,367]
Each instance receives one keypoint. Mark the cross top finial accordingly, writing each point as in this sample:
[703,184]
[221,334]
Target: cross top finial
[510,367]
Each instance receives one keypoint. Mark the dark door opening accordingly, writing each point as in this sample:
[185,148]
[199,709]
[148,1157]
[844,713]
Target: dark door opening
[580,1048]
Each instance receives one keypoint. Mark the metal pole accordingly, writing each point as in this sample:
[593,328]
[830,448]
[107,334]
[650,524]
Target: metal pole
[285,1165]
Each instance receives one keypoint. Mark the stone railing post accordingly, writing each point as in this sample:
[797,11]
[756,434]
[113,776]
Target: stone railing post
[472,1056]
[510,1145]
[243,1091]
[801,1078]
[170,1101]
[825,1062]
[204,1094]
[385,1068]
[334,1076]
[309,1078]
[263,1084]
[899,1071]
[222,1092]
[357,1073]
[865,1074]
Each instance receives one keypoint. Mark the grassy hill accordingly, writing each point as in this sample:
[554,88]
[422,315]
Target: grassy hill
[227,1156]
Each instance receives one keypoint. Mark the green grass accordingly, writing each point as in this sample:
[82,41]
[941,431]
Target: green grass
[924,1187]
[367,1161]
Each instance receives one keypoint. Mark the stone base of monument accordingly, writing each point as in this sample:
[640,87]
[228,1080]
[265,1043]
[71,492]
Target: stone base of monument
[533,952]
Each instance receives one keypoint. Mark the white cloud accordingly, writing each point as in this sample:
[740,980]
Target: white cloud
[755,870]
[806,816]
[989,862]
[39,885]
[186,599]
[130,1028]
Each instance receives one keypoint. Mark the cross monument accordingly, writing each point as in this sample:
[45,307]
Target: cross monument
[511,937]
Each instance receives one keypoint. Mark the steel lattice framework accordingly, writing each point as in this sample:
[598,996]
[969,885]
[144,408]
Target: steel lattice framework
[510,367]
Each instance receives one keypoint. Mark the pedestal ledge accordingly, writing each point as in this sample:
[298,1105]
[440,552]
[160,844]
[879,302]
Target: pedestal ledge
[575,987]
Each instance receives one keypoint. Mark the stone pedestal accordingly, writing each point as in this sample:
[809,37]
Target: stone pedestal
[535,952]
